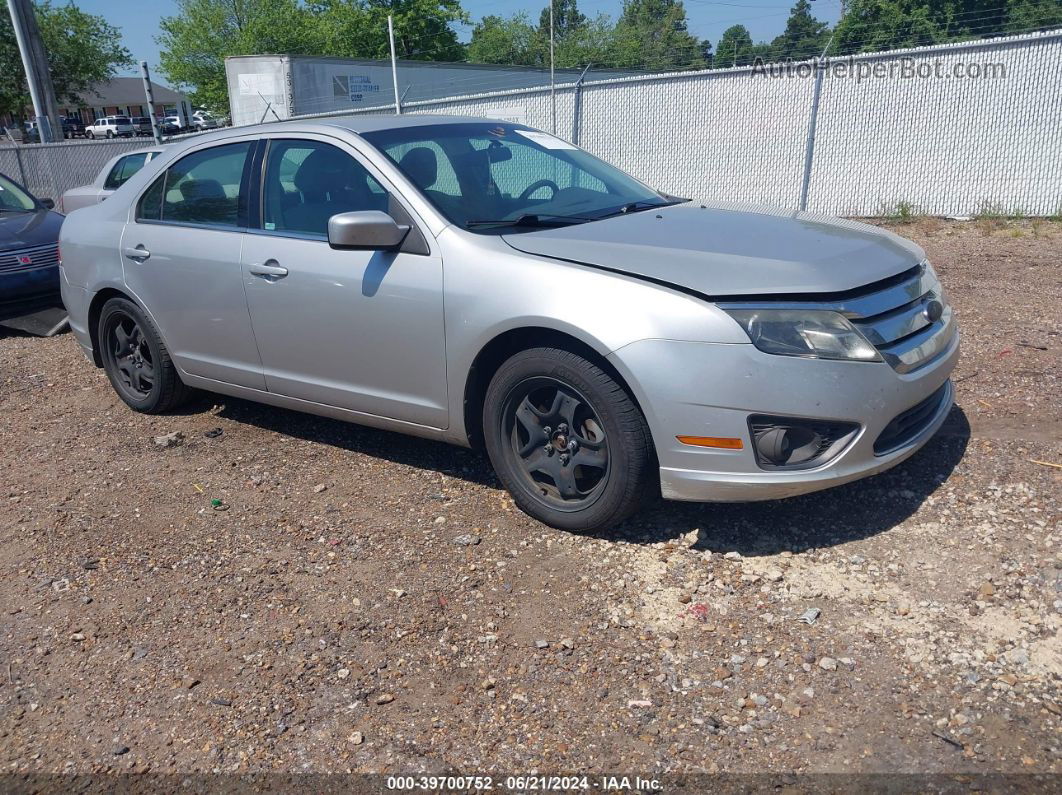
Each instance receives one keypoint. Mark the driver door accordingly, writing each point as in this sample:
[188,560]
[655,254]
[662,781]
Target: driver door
[360,330]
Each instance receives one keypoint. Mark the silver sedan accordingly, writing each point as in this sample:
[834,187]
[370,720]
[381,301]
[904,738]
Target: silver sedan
[112,176]
[491,285]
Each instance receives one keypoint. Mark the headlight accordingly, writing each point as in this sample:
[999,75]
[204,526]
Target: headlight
[814,334]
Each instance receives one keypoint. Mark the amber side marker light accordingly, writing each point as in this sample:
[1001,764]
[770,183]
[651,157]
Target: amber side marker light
[721,442]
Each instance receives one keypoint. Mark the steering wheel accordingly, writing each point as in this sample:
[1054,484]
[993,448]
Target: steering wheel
[542,183]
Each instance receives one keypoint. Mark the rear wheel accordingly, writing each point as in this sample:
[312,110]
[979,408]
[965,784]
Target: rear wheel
[566,440]
[136,360]
[90,134]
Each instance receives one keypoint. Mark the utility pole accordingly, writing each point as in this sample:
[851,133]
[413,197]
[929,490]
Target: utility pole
[38,76]
[150,96]
[394,64]
[552,76]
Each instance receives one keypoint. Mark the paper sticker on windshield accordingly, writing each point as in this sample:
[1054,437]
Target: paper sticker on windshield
[545,139]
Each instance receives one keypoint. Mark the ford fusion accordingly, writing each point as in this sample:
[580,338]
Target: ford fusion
[487,284]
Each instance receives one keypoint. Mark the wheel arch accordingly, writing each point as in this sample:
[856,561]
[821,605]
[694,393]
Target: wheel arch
[504,345]
[95,308]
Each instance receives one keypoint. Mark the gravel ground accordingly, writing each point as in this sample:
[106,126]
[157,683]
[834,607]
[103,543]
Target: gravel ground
[371,602]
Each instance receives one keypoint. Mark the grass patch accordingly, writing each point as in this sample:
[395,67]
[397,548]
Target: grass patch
[903,212]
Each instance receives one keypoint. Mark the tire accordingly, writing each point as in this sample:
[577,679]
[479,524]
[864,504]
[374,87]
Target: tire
[136,360]
[567,441]
[90,135]
[110,134]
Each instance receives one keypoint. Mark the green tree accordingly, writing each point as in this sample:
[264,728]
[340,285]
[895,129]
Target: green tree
[195,42]
[1027,15]
[83,49]
[358,28]
[508,40]
[734,48]
[653,34]
[878,25]
[804,36]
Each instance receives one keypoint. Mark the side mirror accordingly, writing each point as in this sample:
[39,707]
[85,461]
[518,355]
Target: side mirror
[365,229]
[49,204]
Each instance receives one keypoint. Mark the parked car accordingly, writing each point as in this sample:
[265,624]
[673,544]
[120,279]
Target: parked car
[110,127]
[142,125]
[171,125]
[484,283]
[204,120]
[113,175]
[73,127]
[29,252]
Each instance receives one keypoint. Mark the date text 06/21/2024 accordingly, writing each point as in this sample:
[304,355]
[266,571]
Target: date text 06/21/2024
[528,783]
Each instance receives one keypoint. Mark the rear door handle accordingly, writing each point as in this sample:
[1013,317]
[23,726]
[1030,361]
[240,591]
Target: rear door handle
[268,270]
[139,253]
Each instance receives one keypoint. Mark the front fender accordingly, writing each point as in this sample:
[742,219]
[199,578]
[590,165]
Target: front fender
[492,290]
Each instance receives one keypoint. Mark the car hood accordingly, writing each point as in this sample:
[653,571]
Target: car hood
[26,230]
[720,251]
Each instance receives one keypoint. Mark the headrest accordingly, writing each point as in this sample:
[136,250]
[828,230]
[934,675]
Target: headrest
[421,166]
[199,189]
[324,170]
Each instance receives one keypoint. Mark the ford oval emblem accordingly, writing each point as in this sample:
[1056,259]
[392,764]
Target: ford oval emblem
[933,311]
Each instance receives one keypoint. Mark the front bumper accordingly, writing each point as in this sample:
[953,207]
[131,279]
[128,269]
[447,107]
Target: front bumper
[704,389]
[22,292]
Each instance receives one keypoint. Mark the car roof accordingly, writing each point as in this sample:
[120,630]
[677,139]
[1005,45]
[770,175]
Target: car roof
[360,123]
[356,124]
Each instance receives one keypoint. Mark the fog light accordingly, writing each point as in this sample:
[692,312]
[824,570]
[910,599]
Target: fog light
[789,443]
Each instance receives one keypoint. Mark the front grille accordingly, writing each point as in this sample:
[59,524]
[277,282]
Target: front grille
[909,424]
[39,256]
[910,323]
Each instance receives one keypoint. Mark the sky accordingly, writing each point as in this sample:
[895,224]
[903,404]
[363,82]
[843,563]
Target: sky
[765,19]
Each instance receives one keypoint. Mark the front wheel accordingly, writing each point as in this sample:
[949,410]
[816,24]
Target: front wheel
[566,440]
[136,360]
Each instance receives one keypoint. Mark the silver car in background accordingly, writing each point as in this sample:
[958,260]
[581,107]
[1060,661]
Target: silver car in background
[111,177]
[486,284]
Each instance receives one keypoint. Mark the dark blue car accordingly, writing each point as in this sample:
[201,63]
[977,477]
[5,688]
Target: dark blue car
[29,251]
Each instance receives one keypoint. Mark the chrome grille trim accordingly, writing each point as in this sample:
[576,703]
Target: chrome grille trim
[42,256]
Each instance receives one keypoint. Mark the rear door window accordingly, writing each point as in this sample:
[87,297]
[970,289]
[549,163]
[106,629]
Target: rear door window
[205,187]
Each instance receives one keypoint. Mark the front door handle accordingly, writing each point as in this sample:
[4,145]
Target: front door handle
[138,253]
[268,270]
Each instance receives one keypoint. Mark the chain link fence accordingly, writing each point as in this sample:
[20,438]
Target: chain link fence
[957,130]
[48,170]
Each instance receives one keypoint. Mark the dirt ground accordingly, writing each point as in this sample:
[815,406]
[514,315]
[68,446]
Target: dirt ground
[331,619]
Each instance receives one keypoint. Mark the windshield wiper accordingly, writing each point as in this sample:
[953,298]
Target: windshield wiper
[530,219]
[638,206]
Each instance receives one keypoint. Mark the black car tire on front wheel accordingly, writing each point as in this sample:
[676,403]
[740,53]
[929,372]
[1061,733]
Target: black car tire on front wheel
[136,360]
[566,440]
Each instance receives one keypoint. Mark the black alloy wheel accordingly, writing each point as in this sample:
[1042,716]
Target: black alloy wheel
[567,440]
[131,354]
[558,442]
[136,360]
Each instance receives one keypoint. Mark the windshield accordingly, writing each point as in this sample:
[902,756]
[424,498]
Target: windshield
[493,177]
[14,199]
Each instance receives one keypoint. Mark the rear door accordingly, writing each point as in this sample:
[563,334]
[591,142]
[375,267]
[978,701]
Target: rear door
[361,330]
[182,261]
